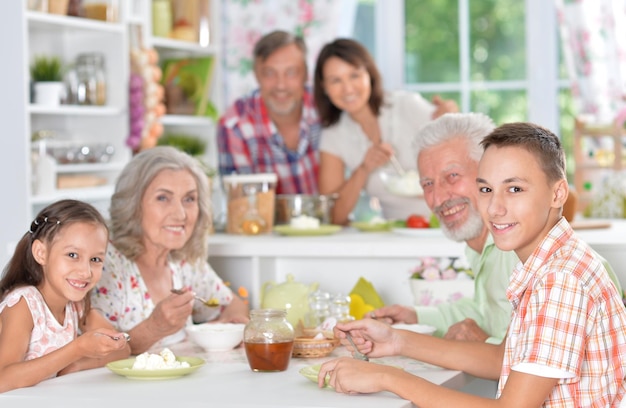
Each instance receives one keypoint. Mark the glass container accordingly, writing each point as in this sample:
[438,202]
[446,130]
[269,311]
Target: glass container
[75,8]
[91,79]
[319,308]
[340,307]
[161,18]
[237,187]
[253,223]
[268,340]
[103,10]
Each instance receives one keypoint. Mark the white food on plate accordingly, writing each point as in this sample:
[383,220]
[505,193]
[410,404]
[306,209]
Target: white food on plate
[304,222]
[165,360]
[376,220]
[406,185]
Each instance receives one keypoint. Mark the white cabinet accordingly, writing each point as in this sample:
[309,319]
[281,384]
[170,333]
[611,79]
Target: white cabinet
[599,153]
[67,37]
[30,33]
[199,126]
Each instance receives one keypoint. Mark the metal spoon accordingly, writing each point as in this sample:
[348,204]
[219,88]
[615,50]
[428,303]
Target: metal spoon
[125,336]
[213,302]
[396,165]
[357,354]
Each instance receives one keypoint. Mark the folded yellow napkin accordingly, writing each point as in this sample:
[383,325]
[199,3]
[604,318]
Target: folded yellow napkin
[364,299]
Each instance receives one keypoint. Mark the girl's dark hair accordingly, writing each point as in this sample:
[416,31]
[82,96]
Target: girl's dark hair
[23,269]
[354,54]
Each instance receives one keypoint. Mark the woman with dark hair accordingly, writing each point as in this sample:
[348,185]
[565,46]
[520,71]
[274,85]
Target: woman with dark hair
[160,221]
[363,126]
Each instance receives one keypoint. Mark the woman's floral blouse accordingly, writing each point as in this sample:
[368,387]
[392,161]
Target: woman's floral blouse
[123,298]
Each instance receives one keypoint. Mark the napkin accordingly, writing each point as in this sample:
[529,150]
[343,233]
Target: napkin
[364,299]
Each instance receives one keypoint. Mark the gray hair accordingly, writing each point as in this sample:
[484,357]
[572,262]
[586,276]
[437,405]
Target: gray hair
[277,39]
[473,127]
[126,212]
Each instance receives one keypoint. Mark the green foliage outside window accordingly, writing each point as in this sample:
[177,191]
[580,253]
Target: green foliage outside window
[432,41]
[497,40]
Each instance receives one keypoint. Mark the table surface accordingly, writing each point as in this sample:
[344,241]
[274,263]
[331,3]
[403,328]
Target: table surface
[225,381]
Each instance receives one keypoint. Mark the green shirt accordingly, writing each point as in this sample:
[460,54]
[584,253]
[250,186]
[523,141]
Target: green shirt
[489,307]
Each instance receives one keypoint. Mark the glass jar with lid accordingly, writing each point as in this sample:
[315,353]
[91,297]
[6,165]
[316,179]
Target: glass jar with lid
[268,340]
[340,307]
[91,79]
[319,309]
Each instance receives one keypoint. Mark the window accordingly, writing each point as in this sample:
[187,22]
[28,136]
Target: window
[499,57]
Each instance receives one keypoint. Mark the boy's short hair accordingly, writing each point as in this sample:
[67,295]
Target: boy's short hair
[539,141]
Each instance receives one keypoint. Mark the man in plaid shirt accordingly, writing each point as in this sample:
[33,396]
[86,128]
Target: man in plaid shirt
[275,129]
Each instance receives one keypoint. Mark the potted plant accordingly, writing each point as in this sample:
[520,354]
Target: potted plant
[46,74]
[435,281]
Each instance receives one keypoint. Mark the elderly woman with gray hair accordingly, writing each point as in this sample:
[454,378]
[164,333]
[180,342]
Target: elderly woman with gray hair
[160,220]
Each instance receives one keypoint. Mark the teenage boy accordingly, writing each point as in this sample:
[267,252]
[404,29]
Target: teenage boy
[566,343]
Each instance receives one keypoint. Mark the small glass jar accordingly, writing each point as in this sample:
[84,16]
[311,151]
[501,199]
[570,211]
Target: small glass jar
[340,307]
[91,78]
[252,223]
[319,308]
[268,340]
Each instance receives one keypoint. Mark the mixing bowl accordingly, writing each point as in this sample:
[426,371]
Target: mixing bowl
[405,185]
[293,205]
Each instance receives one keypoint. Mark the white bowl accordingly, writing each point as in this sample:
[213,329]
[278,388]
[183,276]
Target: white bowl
[417,328]
[216,336]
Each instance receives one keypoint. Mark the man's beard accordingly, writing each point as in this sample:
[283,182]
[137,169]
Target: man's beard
[283,108]
[471,228]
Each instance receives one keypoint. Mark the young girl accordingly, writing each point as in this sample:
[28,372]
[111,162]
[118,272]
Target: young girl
[43,299]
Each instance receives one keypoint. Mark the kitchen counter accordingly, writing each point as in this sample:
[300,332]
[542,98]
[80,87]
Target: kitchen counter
[337,261]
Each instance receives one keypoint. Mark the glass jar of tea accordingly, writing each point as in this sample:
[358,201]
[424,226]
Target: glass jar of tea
[268,340]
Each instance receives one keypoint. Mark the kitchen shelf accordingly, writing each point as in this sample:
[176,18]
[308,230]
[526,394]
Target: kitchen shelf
[75,110]
[599,151]
[89,193]
[180,48]
[201,127]
[67,24]
[89,167]
[66,37]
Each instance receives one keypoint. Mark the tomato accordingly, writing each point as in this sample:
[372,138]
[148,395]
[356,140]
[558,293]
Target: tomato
[417,221]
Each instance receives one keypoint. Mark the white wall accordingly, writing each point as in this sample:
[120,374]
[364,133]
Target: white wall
[15,131]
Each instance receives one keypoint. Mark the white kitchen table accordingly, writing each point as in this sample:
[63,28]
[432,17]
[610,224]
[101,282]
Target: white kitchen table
[337,261]
[224,381]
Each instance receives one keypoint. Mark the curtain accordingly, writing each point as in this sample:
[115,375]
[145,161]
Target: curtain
[593,34]
[245,21]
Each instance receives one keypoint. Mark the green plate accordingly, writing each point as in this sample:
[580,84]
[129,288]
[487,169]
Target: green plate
[365,226]
[324,229]
[125,368]
[311,373]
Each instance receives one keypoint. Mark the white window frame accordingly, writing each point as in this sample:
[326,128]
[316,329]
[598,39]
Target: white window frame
[542,59]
